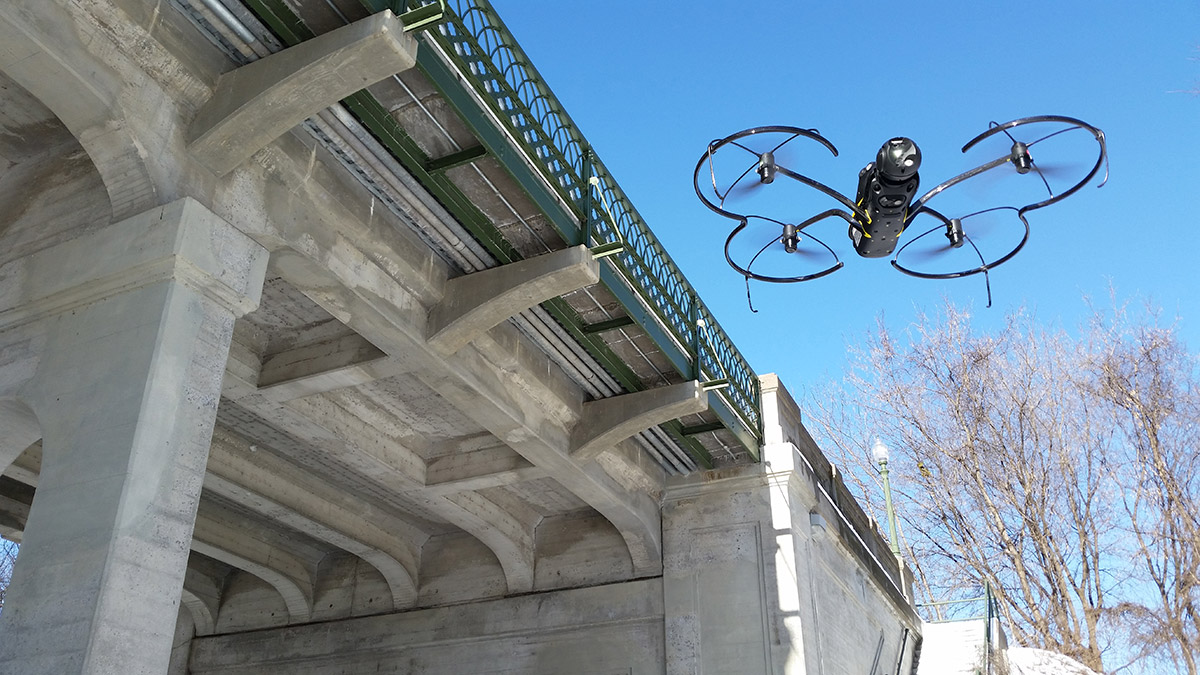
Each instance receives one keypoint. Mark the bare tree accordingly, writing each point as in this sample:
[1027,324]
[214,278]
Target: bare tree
[8,557]
[1021,460]
[1145,372]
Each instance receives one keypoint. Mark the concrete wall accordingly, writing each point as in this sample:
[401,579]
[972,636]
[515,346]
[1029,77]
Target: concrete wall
[603,630]
[772,568]
[768,568]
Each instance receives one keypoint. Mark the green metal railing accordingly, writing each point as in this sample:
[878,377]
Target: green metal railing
[473,36]
[571,186]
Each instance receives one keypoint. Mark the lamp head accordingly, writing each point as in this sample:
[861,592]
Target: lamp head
[879,451]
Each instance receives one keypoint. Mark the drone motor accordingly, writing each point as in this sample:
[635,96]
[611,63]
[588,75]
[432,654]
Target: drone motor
[1021,158]
[766,167]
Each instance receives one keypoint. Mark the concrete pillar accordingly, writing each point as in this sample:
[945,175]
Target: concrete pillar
[137,319]
[735,597]
[773,568]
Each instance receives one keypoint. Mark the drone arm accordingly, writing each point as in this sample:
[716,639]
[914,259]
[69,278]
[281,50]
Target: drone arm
[1101,159]
[845,201]
[918,205]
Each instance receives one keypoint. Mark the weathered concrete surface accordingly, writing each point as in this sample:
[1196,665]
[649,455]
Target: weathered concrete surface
[255,104]
[608,421]
[139,319]
[756,579]
[359,469]
[606,629]
[474,303]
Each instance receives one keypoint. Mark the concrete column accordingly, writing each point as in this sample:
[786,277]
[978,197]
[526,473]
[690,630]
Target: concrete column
[773,568]
[137,319]
[735,595]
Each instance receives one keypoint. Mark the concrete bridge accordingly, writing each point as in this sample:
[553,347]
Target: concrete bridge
[327,345]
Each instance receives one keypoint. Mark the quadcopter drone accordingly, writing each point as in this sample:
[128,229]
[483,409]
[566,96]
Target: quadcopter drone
[738,167]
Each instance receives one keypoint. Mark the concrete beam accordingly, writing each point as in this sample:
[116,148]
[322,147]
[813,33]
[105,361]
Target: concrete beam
[379,319]
[543,443]
[355,445]
[502,382]
[202,598]
[614,628]
[474,303]
[237,547]
[327,366]
[259,102]
[478,470]
[609,421]
[281,491]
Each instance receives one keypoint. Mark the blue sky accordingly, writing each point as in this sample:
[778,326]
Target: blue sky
[650,84]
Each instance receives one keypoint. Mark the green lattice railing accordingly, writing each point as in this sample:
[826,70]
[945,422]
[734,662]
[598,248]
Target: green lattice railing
[643,277]
[472,35]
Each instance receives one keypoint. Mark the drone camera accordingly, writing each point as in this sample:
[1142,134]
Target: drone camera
[885,189]
[898,160]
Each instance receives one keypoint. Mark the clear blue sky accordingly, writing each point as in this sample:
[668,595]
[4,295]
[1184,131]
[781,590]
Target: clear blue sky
[650,84]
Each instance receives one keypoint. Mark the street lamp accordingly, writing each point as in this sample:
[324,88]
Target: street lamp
[880,452]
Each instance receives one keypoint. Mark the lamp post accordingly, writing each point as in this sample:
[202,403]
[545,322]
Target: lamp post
[880,452]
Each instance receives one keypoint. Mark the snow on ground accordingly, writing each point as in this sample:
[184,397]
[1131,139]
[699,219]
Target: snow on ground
[1027,661]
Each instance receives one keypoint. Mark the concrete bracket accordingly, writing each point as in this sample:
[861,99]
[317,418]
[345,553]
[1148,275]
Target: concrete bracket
[475,303]
[608,421]
[259,102]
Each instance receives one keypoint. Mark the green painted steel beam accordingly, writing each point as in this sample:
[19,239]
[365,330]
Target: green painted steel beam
[611,324]
[450,87]
[456,159]
[702,428]
[422,17]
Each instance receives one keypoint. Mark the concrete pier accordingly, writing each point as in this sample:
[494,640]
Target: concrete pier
[138,319]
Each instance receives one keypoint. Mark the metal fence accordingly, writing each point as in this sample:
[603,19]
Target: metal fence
[472,34]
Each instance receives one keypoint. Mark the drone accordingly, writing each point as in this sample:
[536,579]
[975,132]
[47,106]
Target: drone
[741,166]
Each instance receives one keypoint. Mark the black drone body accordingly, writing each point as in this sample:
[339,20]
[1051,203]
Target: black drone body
[885,202]
[886,188]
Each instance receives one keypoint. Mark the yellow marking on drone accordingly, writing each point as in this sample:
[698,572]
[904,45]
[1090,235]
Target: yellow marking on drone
[864,212]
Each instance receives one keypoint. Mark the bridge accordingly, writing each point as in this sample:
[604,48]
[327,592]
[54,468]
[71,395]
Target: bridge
[328,344]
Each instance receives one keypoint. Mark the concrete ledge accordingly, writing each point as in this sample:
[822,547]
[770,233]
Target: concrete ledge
[475,303]
[608,421]
[181,241]
[260,101]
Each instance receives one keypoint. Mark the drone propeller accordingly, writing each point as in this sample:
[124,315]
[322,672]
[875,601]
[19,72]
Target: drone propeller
[745,162]
[1008,146]
[767,250]
[757,161]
